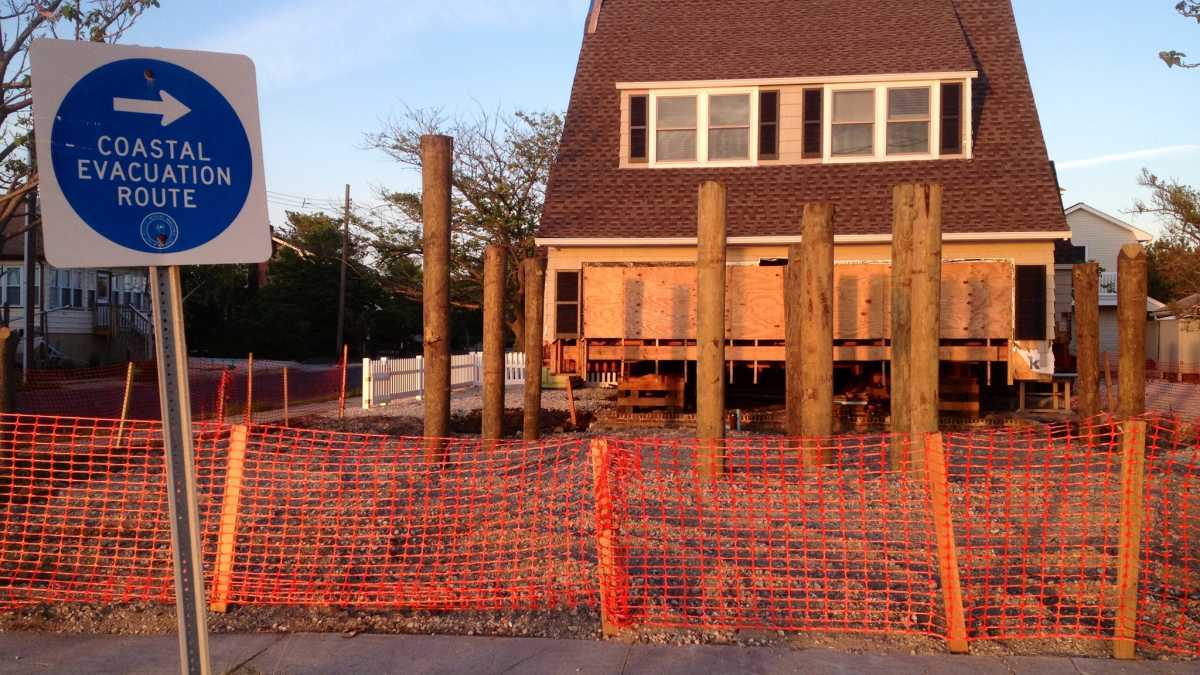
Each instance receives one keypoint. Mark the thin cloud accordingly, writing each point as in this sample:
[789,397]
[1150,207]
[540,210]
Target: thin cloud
[1128,156]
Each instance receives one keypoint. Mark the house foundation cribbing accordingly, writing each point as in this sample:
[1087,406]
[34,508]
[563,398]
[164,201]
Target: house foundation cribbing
[1032,533]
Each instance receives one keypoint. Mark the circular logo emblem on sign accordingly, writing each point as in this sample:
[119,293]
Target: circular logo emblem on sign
[159,231]
[151,156]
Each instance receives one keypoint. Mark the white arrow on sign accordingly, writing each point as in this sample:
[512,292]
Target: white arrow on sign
[169,107]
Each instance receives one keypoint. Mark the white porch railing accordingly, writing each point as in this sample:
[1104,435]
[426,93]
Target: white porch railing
[388,380]
[1108,283]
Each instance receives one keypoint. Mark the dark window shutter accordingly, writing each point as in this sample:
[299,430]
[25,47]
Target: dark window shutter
[1031,302]
[814,132]
[952,118]
[638,115]
[768,125]
[566,304]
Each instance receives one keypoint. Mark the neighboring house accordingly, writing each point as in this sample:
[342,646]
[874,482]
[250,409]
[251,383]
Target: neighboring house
[82,317]
[1097,237]
[787,102]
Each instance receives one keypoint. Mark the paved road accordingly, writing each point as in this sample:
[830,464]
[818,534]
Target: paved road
[369,654]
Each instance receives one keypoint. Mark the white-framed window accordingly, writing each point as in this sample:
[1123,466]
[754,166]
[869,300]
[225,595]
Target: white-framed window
[908,121]
[717,127]
[12,285]
[69,284]
[845,121]
[852,123]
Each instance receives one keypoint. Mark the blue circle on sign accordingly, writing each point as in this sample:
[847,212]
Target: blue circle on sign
[151,156]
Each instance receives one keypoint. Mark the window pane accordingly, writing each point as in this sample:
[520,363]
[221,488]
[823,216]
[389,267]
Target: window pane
[675,146]
[637,111]
[853,139]
[768,107]
[677,112]
[908,104]
[637,144]
[724,111]
[854,106]
[908,137]
[729,144]
[952,105]
[768,140]
[567,287]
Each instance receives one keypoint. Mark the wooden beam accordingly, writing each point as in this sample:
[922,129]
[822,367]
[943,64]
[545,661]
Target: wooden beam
[494,280]
[710,328]
[816,331]
[437,157]
[535,296]
[1086,281]
[1131,313]
[793,319]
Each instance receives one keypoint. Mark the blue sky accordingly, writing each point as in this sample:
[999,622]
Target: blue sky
[329,72]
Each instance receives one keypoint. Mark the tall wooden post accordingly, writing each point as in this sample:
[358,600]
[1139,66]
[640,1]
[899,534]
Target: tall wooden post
[535,299]
[926,201]
[816,329]
[794,319]
[1086,280]
[901,393]
[1131,313]
[249,389]
[493,342]
[710,328]
[437,155]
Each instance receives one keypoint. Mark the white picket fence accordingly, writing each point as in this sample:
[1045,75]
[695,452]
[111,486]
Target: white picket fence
[388,380]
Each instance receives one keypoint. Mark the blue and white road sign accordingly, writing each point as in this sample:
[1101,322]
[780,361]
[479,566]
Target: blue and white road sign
[148,157]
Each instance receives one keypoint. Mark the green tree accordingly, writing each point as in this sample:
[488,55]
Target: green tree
[501,168]
[1175,59]
[1175,257]
[21,22]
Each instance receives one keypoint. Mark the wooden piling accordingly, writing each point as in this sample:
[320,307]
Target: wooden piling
[903,216]
[493,342]
[924,371]
[8,382]
[535,297]
[710,328]
[793,320]
[250,389]
[1131,314]
[437,155]
[1086,281]
[816,327]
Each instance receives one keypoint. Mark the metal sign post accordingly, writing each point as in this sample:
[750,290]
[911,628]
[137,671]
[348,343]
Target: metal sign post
[175,397]
[153,158]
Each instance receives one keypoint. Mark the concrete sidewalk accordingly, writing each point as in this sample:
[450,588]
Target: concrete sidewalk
[368,654]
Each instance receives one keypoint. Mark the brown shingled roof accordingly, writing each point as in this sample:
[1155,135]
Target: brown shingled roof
[1009,186]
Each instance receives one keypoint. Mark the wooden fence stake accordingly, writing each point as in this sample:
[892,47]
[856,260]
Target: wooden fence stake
[1133,465]
[535,296]
[1086,280]
[286,420]
[437,158]
[816,330]
[710,329]
[125,402]
[605,537]
[227,535]
[1131,313]
[943,523]
[571,401]
[345,374]
[494,280]
[250,390]
[8,382]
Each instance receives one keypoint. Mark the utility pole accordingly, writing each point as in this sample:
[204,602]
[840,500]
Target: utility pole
[341,320]
[30,264]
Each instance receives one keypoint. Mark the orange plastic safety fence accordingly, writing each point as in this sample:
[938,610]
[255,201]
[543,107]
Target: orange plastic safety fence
[366,521]
[771,543]
[1168,617]
[100,392]
[83,509]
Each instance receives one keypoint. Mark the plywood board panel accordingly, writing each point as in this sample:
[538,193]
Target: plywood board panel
[658,301]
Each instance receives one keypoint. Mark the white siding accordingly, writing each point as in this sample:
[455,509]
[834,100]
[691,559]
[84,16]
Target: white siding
[1102,238]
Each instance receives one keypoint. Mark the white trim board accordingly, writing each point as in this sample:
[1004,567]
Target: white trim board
[785,81]
[793,239]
